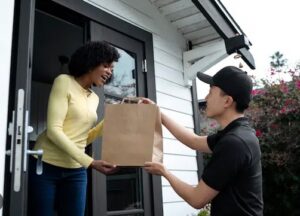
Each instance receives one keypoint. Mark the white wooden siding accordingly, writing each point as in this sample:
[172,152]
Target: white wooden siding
[185,119]
[180,162]
[166,73]
[167,47]
[172,146]
[168,60]
[172,96]
[168,135]
[187,176]
[179,209]
[170,88]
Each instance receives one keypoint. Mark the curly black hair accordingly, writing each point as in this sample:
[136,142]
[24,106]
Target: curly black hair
[90,56]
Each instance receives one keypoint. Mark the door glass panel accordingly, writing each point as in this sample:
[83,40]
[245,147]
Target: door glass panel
[124,189]
[122,83]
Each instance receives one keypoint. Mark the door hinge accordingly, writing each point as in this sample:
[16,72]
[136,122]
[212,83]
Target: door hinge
[144,65]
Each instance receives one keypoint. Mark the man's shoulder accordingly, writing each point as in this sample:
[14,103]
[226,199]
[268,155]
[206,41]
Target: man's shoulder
[243,138]
[244,133]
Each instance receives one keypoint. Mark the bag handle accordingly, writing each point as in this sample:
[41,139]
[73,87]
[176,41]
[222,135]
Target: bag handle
[131,100]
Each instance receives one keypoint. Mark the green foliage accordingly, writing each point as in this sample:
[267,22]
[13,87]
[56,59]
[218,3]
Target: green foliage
[278,62]
[275,114]
[205,211]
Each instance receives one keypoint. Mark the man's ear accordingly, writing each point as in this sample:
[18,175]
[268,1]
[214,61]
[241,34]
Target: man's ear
[228,101]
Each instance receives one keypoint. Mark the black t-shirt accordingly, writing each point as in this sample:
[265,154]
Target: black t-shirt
[235,171]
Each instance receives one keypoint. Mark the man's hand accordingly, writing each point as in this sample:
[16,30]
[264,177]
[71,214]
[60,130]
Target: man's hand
[146,101]
[155,168]
[104,167]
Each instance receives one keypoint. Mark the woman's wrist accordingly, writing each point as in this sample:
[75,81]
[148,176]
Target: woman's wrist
[91,164]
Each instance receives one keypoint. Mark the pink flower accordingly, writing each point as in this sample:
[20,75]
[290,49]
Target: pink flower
[283,87]
[288,102]
[272,71]
[298,84]
[213,124]
[283,110]
[257,92]
[274,126]
[258,133]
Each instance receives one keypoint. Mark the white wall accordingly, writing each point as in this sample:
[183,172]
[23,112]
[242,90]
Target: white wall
[172,96]
[6,23]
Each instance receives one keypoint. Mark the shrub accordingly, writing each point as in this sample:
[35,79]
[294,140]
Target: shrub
[275,114]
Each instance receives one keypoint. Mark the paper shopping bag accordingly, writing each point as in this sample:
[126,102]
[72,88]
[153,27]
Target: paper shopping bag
[132,134]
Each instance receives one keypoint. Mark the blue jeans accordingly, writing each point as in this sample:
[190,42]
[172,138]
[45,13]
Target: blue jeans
[58,190]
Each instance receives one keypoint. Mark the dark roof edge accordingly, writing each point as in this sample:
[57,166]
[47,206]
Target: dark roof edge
[217,15]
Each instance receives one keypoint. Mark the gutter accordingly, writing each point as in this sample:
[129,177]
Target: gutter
[224,24]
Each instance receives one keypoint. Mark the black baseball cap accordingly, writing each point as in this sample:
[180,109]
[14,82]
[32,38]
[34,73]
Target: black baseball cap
[233,81]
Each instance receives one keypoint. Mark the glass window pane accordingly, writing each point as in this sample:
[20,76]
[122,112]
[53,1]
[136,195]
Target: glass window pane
[122,83]
[124,189]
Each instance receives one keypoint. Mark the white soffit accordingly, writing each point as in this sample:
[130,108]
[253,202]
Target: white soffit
[188,20]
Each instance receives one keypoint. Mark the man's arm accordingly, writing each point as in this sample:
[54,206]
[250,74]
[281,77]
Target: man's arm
[185,136]
[197,196]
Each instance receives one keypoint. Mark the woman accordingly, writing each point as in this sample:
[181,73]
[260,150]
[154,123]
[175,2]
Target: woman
[71,116]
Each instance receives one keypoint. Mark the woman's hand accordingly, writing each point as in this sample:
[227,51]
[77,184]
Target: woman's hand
[104,167]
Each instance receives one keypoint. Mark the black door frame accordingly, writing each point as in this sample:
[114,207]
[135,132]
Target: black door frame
[100,32]
[24,42]
[130,30]
[101,17]
[117,24]
[18,113]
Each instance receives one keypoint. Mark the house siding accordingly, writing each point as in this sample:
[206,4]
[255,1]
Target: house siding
[172,96]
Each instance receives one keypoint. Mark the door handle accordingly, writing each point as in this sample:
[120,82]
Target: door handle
[11,133]
[39,163]
[18,137]
[38,152]
[19,143]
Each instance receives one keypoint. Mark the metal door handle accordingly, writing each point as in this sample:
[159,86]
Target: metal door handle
[39,163]
[11,133]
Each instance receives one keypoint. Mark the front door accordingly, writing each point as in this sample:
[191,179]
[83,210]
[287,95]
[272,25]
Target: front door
[15,194]
[127,192]
[48,34]
[41,56]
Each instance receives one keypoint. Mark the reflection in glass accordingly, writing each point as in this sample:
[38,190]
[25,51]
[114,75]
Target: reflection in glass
[124,189]
[123,83]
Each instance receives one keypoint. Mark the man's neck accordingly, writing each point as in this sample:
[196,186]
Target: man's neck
[227,119]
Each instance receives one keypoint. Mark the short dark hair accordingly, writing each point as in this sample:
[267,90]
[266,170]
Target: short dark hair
[90,56]
[240,108]
[234,82]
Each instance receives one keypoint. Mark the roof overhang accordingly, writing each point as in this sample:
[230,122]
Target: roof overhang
[224,24]
[211,32]
[202,58]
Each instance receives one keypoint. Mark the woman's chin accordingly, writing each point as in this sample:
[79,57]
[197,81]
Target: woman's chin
[99,84]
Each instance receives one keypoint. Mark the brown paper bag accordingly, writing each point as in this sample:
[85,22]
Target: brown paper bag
[132,134]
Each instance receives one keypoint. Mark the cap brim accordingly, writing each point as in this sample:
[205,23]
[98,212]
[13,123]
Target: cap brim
[205,78]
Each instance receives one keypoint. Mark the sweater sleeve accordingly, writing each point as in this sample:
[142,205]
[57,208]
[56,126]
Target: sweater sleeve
[95,132]
[57,111]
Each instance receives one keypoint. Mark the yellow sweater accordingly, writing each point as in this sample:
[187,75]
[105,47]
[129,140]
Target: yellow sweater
[70,120]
